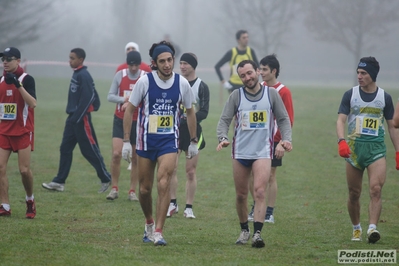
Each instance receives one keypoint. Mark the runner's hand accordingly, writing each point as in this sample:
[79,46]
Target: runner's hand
[127,151]
[12,79]
[343,149]
[222,144]
[286,145]
[279,151]
[192,150]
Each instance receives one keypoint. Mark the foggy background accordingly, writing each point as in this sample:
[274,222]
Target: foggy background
[317,42]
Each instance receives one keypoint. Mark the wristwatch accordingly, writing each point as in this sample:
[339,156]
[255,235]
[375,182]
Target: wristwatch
[340,139]
[223,139]
[195,140]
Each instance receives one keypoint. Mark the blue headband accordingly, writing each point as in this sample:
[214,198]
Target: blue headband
[369,68]
[162,48]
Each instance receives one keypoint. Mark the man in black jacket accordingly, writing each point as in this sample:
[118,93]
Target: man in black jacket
[82,100]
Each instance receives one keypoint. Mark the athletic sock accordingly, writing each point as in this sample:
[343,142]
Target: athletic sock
[258,226]
[357,227]
[174,201]
[244,226]
[189,206]
[372,226]
[29,198]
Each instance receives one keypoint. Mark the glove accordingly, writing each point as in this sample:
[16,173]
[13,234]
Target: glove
[192,150]
[12,79]
[227,85]
[127,151]
[343,149]
[397,160]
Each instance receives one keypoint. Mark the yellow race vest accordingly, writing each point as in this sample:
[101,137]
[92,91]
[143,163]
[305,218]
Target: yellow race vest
[235,60]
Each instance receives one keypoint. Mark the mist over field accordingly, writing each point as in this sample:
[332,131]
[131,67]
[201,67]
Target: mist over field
[206,28]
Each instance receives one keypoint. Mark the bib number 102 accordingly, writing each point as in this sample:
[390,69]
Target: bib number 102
[9,108]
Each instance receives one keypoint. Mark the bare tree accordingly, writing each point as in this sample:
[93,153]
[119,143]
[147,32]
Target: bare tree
[20,21]
[357,25]
[267,21]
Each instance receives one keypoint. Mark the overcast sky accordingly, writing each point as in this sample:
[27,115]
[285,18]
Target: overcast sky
[91,24]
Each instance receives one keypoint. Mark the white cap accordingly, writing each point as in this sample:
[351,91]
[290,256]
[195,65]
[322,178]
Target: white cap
[132,44]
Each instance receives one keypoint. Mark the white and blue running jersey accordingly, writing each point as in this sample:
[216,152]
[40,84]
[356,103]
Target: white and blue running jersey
[159,114]
[254,123]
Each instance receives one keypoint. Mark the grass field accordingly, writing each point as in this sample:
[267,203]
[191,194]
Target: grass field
[80,227]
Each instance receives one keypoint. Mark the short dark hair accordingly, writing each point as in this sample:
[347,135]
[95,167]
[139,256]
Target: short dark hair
[160,43]
[239,33]
[244,62]
[80,53]
[272,62]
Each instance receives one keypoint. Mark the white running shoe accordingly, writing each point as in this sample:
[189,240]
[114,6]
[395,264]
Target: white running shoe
[54,186]
[149,230]
[173,208]
[158,239]
[113,194]
[104,187]
[132,196]
[257,241]
[373,235]
[270,220]
[188,213]
[129,166]
[357,235]
[243,238]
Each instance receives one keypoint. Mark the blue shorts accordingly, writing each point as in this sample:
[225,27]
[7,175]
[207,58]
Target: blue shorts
[246,162]
[154,154]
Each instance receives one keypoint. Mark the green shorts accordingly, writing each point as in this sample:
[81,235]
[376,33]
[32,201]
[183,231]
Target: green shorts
[365,153]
